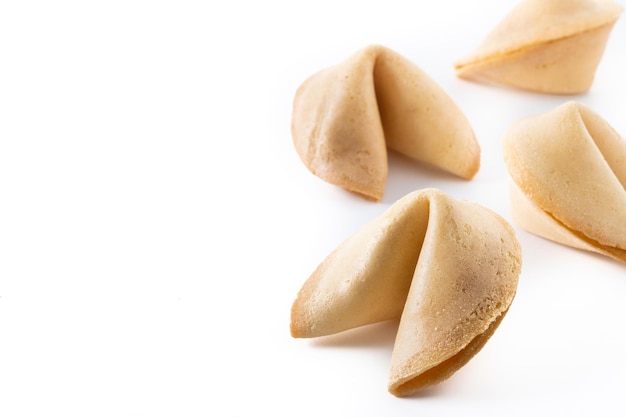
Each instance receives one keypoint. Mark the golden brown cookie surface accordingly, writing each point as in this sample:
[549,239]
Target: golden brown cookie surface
[448,269]
[345,117]
[548,46]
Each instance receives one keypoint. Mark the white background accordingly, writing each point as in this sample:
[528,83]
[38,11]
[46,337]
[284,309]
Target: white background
[156,222]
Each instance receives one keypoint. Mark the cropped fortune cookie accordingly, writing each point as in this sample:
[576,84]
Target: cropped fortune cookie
[547,46]
[568,179]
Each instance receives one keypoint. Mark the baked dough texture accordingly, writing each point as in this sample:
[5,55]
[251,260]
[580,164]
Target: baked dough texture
[346,116]
[447,269]
[547,46]
[568,179]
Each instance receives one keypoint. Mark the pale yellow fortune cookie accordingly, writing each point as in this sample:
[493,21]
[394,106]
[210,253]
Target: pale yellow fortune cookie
[447,269]
[547,46]
[345,117]
[568,179]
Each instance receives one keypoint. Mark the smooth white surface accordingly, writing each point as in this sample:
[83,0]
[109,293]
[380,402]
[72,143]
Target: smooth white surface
[156,222]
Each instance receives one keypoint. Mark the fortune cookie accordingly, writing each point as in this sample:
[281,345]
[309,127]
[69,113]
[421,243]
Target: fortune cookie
[547,46]
[345,117]
[568,179]
[447,269]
